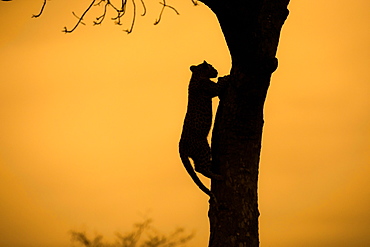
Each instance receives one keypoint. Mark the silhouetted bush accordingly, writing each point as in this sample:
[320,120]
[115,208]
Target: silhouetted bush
[143,235]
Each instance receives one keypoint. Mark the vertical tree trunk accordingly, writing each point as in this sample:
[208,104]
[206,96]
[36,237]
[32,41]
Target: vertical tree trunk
[252,30]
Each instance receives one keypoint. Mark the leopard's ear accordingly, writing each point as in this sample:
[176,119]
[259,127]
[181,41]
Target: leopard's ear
[192,68]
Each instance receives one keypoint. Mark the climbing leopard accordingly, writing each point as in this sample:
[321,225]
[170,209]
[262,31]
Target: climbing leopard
[198,120]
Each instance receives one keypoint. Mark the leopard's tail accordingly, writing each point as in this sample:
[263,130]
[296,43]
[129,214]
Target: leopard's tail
[189,168]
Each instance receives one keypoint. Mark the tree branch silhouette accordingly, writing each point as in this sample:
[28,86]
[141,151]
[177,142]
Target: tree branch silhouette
[41,11]
[121,11]
[100,19]
[79,19]
[161,13]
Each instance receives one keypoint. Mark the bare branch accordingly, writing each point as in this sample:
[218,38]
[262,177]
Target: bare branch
[100,19]
[79,20]
[119,10]
[114,7]
[120,13]
[123,6]
[42,10]
[133,19]
[164,6]
[99,2]
[142,2]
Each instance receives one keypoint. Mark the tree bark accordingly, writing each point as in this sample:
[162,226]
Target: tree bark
[252,30]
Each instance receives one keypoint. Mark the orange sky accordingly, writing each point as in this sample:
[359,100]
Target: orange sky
[90,123]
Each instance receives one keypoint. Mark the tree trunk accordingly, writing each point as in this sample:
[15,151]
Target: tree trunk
[252,30]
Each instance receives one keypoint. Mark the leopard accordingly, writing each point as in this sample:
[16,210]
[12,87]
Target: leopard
[198,121]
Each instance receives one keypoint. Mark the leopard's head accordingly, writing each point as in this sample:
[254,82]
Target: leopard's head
[204,70]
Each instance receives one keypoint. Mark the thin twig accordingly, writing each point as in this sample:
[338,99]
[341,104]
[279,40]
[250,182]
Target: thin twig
[123,6]
[100,19]
[98,4]
[133,19]
[144,13]
[73,13]
[120,12]
[42,10]
[110,4]
[160,14]
[79,20]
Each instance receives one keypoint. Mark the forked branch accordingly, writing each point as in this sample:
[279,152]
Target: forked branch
[119,10]
[79,19]
[164,6]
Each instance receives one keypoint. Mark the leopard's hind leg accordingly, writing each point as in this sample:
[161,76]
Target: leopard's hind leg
[203,160]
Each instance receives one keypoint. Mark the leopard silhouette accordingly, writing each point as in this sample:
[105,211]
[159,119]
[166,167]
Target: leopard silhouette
[198,121]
